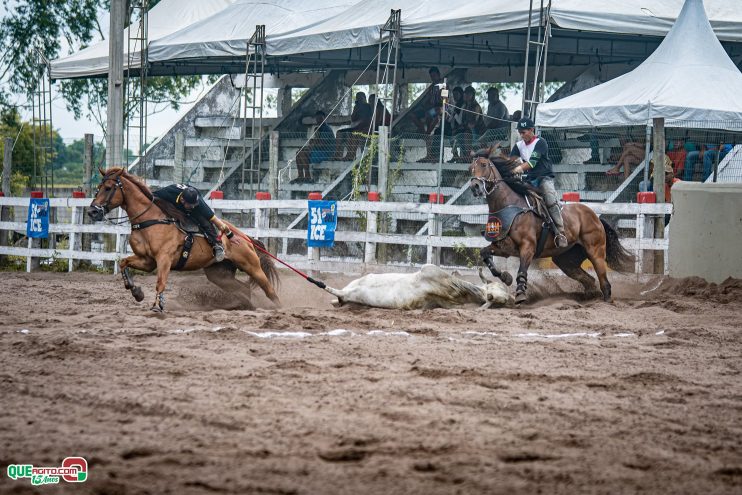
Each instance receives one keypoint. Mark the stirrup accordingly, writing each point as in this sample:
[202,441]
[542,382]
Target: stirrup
[561,240]
[218,253]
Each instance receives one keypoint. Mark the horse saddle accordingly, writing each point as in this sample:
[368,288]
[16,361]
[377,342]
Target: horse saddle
[181,220]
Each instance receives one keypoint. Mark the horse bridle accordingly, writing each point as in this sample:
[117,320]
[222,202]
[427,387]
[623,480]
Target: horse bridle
[484,180]
[105,208]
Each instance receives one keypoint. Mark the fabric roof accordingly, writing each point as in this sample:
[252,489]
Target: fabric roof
[225,33]
[689,77]
[359,26]
[164,18]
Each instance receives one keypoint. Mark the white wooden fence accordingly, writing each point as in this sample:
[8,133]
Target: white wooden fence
[432,213]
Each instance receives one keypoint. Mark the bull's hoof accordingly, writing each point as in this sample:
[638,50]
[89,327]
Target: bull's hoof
[506,278]
[520,298]
[137,293]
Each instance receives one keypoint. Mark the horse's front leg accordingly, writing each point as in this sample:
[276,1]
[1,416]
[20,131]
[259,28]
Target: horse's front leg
[163,270]
[526,257]
[488,260]
[140,263]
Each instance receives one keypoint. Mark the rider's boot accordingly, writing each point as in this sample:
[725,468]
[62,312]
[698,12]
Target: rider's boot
[556,215]
[211,237]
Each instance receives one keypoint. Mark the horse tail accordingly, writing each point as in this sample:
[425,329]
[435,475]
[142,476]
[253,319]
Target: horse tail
[266,264]
[617,257]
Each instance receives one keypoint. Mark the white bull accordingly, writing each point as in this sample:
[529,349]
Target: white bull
[431,287]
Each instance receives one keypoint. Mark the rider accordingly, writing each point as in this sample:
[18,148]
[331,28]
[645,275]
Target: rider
[534,154]
[187,199]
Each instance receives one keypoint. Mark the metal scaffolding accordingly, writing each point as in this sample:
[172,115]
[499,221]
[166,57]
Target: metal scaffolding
[135,101]
[252,109]
[536,81]
[43,138]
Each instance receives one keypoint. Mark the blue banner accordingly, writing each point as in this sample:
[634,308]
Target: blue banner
[37,225]
[323,219]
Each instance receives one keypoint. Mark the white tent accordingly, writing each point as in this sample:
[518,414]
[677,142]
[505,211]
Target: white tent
[689,77]
[359,26]
[164,18]
[225,33]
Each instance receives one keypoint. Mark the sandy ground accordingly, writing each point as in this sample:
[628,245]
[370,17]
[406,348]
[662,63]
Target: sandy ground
[561,396]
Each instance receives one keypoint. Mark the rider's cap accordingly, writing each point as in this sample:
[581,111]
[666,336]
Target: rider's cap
[526,123]
[190,195]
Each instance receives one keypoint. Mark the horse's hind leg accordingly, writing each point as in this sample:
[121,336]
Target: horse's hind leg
[223,275]
[249,262]
[486,254]
[140,263]
[569,262]
[596,255]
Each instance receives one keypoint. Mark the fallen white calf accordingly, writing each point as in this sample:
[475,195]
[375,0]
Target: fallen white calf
[431,287]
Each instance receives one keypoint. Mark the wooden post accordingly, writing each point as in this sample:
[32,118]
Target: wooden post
[380,219]
[658,183]
[5,235]
[115,118]
[514,136]
[179,159]
[87,160]
[273,156]
[370,251]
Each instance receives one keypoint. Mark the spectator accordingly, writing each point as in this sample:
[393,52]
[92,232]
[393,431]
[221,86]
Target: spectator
[632,155]
[360,122]
[427,118]
[317,150]
[497,124]
[516,116]
[710,152]
[454,121]
[676,152]
[381,114]
[472,123]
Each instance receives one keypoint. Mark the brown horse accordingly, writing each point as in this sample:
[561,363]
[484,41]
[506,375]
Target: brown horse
[158,243]
[588,236]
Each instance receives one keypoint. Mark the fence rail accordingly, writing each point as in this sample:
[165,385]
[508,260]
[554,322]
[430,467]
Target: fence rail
[643,215]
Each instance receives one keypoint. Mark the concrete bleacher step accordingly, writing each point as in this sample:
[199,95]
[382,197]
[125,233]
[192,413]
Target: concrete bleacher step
[190,164]
[229,121]
[201,186]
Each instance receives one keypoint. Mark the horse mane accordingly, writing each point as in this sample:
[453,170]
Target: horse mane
[505,165]
[136,180]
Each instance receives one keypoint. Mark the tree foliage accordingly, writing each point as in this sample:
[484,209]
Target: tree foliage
[31,27]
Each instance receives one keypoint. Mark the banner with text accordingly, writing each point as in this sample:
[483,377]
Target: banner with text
[37,225]
[323,220]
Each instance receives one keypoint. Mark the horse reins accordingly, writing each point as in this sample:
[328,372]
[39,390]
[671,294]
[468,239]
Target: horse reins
[122,219]
[484,181]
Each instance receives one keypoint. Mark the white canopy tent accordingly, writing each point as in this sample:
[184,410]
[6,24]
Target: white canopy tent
[225,33]
[190,36]
[689,77]
[359,26]
[164,18]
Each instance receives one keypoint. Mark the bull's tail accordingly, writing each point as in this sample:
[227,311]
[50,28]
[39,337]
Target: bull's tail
[617,257]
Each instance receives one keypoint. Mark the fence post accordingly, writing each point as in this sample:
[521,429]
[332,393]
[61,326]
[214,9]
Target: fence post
[87,160]
[273,156]
[371,228]
[5,235]
[434,230]
[659,188]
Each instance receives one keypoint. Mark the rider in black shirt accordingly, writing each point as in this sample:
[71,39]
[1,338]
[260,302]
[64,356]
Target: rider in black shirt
[187,199]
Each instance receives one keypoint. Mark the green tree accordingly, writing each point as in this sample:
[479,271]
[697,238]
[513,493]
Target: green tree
[31,27]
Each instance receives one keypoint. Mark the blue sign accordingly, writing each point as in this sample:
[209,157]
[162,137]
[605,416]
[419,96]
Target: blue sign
[37,225]
[323,219]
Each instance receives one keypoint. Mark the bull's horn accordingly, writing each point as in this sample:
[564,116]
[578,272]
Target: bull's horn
[482,277]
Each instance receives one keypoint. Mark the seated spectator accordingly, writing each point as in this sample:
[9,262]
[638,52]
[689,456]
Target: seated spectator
[710,152]
[517,115]
[676,152]
[360,122]
[632,155]
[472,124]
[427,118]
[318,149]
[381,114]
[454,120]
[497,124]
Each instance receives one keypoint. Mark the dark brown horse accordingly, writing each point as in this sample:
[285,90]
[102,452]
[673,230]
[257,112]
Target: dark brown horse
[159,244]
[589,237]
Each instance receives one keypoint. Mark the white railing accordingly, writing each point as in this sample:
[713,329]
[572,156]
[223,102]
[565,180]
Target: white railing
[643,240]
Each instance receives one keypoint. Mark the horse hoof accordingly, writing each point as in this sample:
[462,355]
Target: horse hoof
[157,309]
[520,298]
[137,293]
[506,278]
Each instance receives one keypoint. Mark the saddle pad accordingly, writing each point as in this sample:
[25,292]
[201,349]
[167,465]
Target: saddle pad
[499,223]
